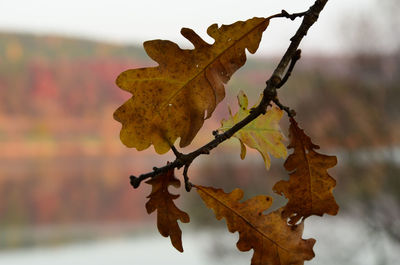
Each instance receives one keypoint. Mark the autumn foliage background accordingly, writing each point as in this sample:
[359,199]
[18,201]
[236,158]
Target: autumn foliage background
[64,173]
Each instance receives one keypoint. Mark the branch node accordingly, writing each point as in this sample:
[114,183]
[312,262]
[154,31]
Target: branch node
[222,137]
[285,14]
[293,16]
[274,80]
[135,181]
[176,152]
[268,94]
[215,133]
[205,151]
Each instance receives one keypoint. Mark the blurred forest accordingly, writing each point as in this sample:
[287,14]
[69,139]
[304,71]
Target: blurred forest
[62,164]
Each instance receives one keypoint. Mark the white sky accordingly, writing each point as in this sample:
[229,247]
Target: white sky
[134,21]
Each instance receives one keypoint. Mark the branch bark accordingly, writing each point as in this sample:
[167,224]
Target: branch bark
[277,79]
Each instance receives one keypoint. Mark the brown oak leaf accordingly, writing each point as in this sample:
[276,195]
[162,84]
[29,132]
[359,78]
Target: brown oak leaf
[167,212]
[173,99]
[309,189]
[273,241]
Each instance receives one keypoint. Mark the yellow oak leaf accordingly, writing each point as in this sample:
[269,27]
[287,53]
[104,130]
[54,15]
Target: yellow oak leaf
[263,133]
[173,99]
[274,242]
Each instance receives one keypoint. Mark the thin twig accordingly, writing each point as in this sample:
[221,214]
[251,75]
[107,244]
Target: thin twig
[293,62]
[269,94]
[285,14]
[176,152]
[290,112]
[188,185]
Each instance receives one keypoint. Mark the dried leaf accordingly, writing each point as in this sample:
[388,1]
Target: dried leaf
[167,213]
[273,241]
[263,133]
[173,99]
[309,188]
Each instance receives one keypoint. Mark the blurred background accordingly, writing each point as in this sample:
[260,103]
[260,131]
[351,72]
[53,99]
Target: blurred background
[65,196]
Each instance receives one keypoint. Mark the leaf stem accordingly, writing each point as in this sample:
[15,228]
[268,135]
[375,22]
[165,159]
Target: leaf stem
[175,151]
[290,112]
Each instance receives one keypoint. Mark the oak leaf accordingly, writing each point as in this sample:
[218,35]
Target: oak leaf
[167,212]
[263,133]
[273,241]
[309,189]
[173,99]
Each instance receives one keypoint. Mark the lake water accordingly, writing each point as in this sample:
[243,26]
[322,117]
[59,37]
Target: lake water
[339,241]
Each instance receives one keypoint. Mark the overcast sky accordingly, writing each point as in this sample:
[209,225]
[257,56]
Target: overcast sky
[134,21]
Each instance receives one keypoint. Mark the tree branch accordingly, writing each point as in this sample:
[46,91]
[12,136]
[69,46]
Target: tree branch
[309,19]
[277,79]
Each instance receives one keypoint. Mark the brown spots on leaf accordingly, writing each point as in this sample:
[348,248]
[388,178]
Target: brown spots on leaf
[191,80]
